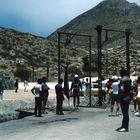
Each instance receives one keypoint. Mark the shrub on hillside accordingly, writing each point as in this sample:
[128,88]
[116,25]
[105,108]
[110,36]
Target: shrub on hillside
[23,73]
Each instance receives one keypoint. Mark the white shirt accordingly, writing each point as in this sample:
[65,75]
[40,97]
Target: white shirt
[138,95]
[37,90]
[115,87]
[104,85]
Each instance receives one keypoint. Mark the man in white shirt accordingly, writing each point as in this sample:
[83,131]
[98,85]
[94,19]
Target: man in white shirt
[37,92]
[115,95]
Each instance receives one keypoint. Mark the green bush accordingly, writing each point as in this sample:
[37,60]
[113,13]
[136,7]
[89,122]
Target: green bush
[23,73]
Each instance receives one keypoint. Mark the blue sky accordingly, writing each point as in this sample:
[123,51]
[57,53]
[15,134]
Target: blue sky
[42,17]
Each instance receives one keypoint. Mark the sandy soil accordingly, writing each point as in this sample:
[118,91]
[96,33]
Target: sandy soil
[21,95]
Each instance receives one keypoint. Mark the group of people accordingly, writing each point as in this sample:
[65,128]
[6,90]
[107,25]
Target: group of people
[119,90]
[123,91]
[41,93]
[120,94]
[26,84]
[76,89]
[114,90]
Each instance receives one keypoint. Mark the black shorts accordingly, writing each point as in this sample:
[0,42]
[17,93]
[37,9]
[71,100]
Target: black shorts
[114,97]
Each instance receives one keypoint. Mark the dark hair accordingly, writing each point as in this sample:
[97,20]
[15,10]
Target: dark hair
[87,79]
[123,72]
[76,80]
[138,80]
[44,79]
[39,81]
[60,81]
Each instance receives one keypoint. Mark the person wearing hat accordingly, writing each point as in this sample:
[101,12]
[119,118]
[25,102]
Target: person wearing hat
[115,95]
[76,86]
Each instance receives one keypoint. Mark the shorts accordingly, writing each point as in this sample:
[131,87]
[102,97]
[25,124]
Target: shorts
[103,92]
[76,94]
[114,97]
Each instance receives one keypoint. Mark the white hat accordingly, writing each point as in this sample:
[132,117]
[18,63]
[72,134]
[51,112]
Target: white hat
[115,77]
[76,75]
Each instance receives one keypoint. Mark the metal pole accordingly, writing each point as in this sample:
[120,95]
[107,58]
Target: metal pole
[66,83]
[90,70]
[99,33]
[106,35]
[127,33]
[33,73]
[48,70]
[58,56]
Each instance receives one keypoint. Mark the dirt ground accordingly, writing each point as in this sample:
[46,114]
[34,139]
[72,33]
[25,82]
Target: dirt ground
[21,95]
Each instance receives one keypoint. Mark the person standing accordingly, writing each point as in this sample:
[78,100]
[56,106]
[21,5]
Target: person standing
[87,89]
[115,95]
[109,89]
[104,89]
[1,90]
[45,90]
[26,84]
[16,85]
[135,83]
[137,96]
[37,91]
[76,86]
[124,98]
[59,97]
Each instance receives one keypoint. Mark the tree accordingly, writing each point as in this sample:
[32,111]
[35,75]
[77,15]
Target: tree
[22,73]
[86,64]
[72,70]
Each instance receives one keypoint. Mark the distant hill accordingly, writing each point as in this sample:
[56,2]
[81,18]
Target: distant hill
[20,49]
[115,14]
[111,14]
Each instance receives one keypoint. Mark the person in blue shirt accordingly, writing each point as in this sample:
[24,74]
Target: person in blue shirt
[45,90]
[59,97]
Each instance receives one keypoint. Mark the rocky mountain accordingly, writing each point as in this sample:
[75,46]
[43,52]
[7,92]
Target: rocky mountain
[40,54]
[111,14]
[24,50]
